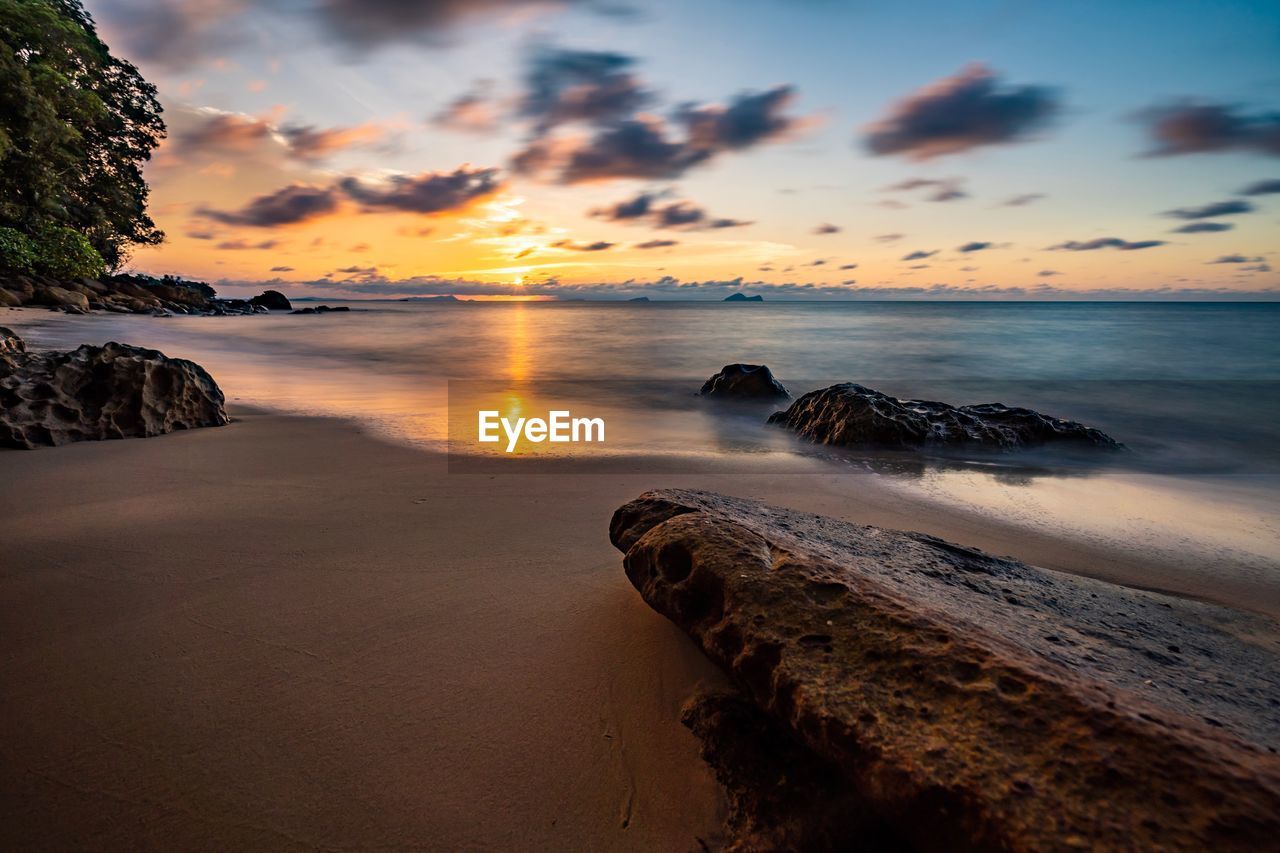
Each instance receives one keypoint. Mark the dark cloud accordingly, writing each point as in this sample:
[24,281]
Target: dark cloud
[1189,127]
[353,270]
[1203,228]
[170,35]
[1268,187]
[282,269]
[564,86]
[307,142]
[748,119]
[1047,273]
[888,238]
[1257,268]
[848,266]
[241,245]
[429,192]
[918,255]
[656,244]
[1209,211]
[646,207]
[648,147]
[960,113]
[943,190]
[208,134]
[1235,259]
[1023,200]
[827,228]
[974,246]
[1107,243]
[214,132]
[365,24]
[597,246]
[286,206]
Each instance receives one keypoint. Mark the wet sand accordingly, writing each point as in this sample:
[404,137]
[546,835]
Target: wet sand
[289,633]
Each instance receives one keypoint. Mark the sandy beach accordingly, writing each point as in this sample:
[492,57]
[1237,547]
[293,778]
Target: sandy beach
[287,632]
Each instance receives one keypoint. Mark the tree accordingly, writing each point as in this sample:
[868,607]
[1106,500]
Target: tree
[76,125]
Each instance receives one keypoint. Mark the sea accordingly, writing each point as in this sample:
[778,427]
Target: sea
[1192,390]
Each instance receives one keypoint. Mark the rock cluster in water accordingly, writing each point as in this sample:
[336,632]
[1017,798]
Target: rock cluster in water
[93,393]
[906,687]
[744,382]
[320,309]
[850,415]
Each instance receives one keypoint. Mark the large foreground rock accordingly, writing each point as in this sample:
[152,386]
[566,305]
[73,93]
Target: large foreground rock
[94,393]
[967,702]
[744,382]
[850,415]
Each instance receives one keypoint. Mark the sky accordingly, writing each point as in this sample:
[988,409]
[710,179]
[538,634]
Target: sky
[799,149]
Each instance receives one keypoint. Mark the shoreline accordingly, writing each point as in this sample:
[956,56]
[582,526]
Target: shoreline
[246,614]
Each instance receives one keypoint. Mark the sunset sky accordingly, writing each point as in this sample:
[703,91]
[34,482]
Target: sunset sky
[810,148]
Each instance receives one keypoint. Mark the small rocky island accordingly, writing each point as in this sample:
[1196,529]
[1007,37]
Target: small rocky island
[742,297]
[93,393]
[897,691]
[849,415]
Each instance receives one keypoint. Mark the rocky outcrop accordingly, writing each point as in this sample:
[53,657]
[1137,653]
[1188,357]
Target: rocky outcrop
[94,393]
[742,297]
[744,382]
[850,415]
[121,294]
[966,702]
[320,309]
[272,300]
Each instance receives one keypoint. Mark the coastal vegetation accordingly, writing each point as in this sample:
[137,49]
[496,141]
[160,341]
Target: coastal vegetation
[76,125]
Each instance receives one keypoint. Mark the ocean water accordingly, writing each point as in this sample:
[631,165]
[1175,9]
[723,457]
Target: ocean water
[1192,390]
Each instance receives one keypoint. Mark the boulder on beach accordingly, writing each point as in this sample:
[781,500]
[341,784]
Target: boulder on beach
[272,300]
[850,415]
[93,393]
[955,700]
[744,382]
[742,297]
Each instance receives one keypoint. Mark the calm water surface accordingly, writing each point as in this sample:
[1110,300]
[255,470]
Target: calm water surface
[1191,389]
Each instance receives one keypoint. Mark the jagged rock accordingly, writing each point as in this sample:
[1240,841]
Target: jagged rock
[850,415]
[744,382]
[94,393]
[272,300]
[9,299]
[11,344]
[971,702]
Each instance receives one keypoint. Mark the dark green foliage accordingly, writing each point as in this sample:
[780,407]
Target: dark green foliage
[66,253]
[17,253]
[76,124]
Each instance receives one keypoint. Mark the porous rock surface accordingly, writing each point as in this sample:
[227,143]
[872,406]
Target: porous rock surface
[850,415]
[970,702]
[93,393]
[744,382]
